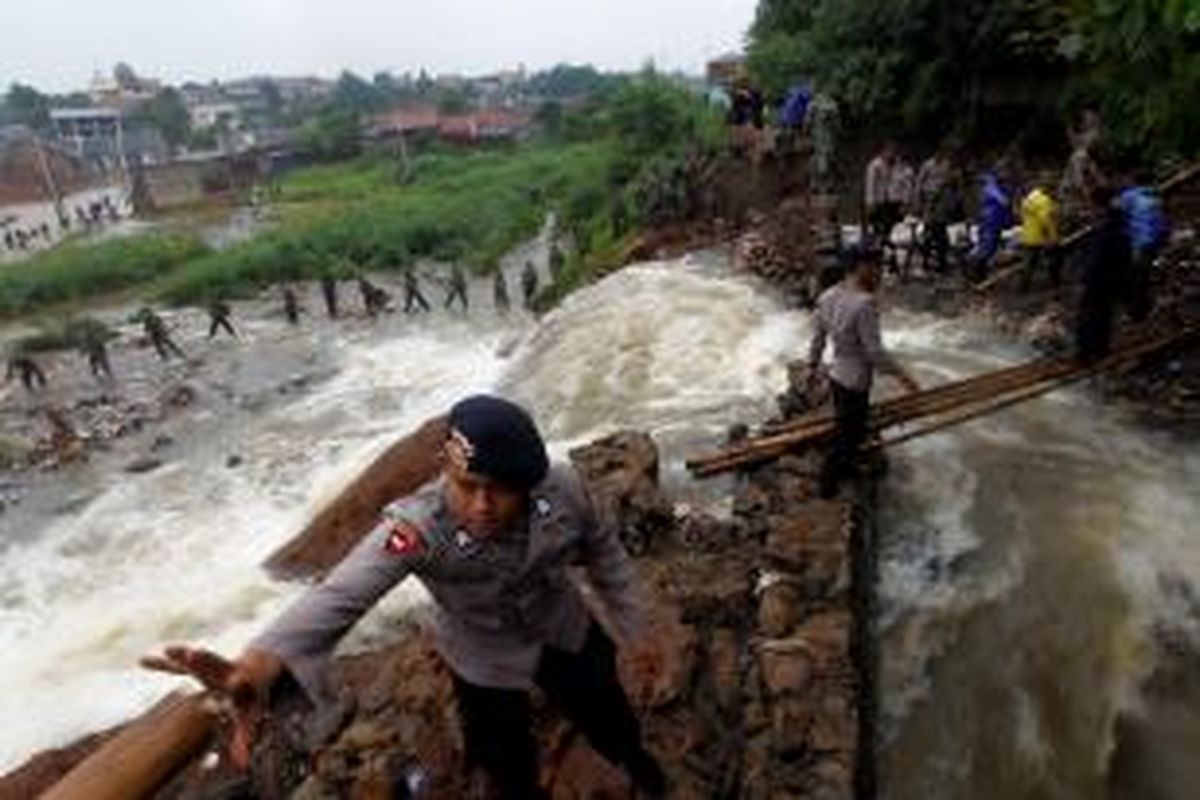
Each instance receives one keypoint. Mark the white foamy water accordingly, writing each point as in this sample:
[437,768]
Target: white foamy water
[1023,557]
[174,555]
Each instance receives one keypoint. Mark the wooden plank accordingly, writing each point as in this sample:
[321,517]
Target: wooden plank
[985,389]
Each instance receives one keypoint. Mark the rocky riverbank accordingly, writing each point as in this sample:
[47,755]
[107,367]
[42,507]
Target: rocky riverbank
[759,698]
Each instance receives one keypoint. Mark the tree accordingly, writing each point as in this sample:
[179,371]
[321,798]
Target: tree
[549,116]
[453,101]
[166,112]
[425,84]
[125,76]
[352,94]
[25,105]
[333,134]
[989,67]
[1142,60]
[569,81]
[273,103]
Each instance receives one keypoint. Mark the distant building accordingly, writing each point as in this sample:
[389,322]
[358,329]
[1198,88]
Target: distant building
[487,125]
[303,90]
[483,125]
[725,70]
[407,121]
[212,114]
[94,135]
[108,92]
[101,138]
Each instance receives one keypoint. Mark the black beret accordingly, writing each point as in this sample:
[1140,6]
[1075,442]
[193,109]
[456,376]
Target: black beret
[499,440]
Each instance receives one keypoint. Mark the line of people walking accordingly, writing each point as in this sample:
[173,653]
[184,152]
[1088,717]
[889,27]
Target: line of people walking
[24,367]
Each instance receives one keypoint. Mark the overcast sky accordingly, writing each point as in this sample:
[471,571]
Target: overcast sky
[58,44]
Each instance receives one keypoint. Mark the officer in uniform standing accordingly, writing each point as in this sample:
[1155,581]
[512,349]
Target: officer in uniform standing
[492,539]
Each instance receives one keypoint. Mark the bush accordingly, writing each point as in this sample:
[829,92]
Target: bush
[63,334]
[85,270]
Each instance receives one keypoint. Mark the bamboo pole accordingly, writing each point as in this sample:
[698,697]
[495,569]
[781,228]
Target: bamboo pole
[1042,376]
[142,757]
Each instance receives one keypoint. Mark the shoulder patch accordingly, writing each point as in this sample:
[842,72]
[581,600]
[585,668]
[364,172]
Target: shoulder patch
[404,539]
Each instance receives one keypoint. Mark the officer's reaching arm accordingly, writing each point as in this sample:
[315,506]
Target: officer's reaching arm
[303,638]
[610,572]
[872,343]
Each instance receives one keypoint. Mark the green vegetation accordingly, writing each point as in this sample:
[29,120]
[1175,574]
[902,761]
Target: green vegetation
[83,270]
[993,69]
[63,334]
[624,160]
[660,135]
[620,163]
[470,208]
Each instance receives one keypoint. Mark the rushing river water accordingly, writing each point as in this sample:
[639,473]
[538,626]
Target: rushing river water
[1030,562]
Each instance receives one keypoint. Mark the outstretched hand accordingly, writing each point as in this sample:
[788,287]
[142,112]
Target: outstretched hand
[231,681]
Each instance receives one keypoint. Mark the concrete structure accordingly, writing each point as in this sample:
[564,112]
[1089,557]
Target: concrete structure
[95,135]
[211,114]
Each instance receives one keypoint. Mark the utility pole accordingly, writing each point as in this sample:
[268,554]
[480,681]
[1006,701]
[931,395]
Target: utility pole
[48,179]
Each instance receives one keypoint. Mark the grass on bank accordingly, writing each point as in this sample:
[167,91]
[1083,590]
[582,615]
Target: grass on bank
[82,270]
[466,208]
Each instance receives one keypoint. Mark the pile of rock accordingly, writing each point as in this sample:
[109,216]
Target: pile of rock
[793,247]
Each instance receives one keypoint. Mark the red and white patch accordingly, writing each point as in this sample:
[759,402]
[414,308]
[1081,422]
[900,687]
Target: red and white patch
[404,539]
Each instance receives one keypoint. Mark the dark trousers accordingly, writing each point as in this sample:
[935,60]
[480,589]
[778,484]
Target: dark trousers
[1136,291]
[985,253]
[329,292]
[1037,259]
[851,410]
[166,348]
[219,323]
[413,299]
[457,293]
[882,220]
[1094,325]
[497,723]
[98,363]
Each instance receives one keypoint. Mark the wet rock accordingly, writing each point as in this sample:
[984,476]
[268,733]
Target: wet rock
[778,607]
[143,465]
[621,476]
[179,396]
[724,664]
[785,667]
[680,650]
[14,452]
[702,532]
[582,774]
[791,719]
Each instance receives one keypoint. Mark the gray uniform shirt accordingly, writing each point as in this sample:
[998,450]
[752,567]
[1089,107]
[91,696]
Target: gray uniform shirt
[496,602]
[848,317]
